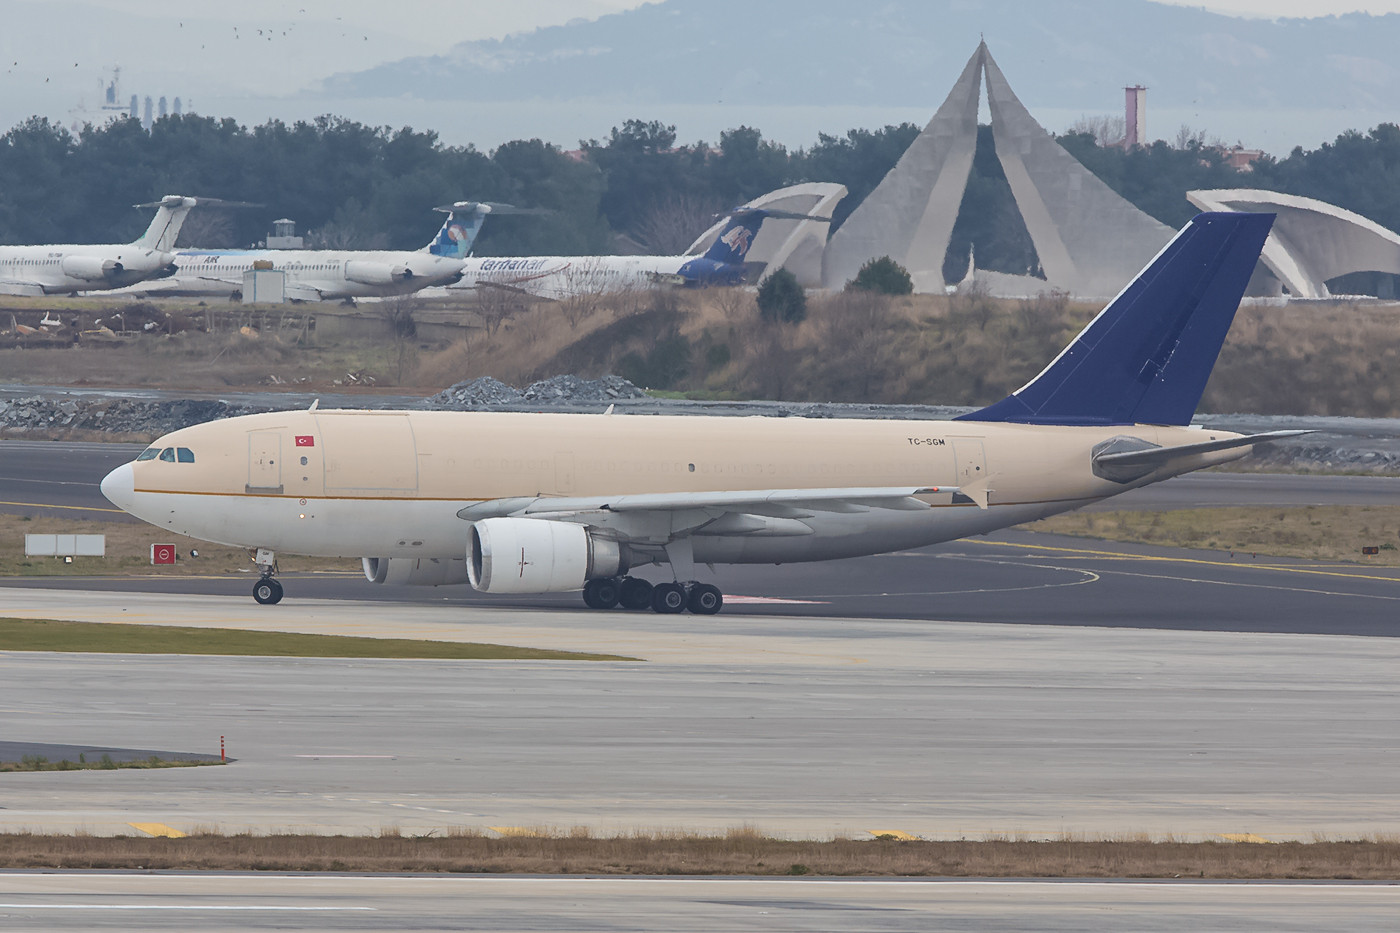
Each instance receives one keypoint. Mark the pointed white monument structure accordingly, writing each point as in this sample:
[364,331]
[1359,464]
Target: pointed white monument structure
[1090,240]
[909,216]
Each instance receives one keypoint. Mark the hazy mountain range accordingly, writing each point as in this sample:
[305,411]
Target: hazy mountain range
[902,51]
[1230,76]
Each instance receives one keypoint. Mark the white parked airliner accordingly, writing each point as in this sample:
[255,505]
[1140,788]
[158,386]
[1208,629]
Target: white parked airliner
[329,274]
[68,268]
[535,503]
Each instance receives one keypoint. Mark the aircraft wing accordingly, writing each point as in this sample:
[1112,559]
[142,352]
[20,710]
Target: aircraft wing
[658,517]
[27,289]
[300,291]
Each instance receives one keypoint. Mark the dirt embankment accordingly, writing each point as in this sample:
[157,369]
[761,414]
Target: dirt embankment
[1296,358]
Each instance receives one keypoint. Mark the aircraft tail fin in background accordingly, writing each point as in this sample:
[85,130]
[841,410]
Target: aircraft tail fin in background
[165,226]
[458,234]
[1146,357]
[734,240]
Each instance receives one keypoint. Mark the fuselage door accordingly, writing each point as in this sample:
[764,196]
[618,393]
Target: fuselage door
[265,462]
[971,460]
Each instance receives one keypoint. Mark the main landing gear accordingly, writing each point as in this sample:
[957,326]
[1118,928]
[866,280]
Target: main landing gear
[667,598]
[266,591]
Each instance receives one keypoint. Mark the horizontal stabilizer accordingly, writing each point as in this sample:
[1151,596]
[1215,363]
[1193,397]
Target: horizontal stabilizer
[1124,466]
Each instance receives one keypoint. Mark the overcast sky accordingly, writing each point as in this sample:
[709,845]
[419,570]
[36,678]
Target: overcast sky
[251,59]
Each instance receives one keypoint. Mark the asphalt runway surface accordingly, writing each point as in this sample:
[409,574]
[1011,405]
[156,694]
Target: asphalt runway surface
[1143,690]
[1010,577]
[798,726]
[343,902]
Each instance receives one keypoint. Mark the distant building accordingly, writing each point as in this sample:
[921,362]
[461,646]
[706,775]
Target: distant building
[1135,116]
[1241,159]
[284,235]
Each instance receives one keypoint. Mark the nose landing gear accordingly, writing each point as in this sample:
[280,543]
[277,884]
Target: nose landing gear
[266,591]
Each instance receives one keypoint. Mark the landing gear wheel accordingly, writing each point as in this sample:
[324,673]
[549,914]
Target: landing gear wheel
[634,593]
[601,594]
[267,591]
[704,599]
[668,598]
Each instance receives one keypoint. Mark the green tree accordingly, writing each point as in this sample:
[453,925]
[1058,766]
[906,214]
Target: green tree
[747,166]
[781,299]
[858,160]
[641,168]
[883,276]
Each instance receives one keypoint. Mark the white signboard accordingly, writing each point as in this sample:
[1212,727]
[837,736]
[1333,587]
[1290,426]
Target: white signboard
[65,545]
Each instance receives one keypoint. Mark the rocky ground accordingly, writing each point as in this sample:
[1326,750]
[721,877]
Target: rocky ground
[1339,445]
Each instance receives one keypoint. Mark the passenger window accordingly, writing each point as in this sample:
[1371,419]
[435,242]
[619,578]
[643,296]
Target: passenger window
[168,455]
[150,453]
[185,455]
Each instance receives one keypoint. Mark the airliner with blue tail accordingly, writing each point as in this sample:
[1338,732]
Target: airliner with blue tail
[524,503]
[558,277]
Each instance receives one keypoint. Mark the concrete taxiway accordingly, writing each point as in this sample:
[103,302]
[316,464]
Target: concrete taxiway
[800,726]
[1012,576]
[346,902]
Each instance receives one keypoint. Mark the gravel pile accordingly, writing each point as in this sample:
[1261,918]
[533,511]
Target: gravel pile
[117,416]
[474,394]
[1320,458]
[487,393]
[1337,446]
[574,389]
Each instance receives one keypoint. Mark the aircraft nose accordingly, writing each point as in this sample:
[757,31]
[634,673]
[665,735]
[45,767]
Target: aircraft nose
[119,486]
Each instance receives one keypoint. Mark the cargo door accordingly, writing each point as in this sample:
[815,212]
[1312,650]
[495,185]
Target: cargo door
[368,454]
[264,463]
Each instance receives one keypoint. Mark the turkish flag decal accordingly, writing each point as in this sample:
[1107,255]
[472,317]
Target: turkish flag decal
[306,440]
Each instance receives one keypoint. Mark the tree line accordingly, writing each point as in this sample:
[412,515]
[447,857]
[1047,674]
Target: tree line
[356,186]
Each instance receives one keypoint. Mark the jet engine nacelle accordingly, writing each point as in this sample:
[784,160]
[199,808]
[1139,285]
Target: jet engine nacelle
[376,273]
[90,268]
[531,555]
[414,571]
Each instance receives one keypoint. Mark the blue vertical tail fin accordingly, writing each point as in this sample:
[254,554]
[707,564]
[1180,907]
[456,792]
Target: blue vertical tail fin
[1146,357]
[733,242]
[459,231]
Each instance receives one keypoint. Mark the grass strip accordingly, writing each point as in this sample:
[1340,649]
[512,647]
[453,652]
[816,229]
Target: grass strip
[40,763]
[1328,533]
[741,852]
[104,637]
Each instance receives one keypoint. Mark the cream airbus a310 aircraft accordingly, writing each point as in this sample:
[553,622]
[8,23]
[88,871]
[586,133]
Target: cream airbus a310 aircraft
[541,503]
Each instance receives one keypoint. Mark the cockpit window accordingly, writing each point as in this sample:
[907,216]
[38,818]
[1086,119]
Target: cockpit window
[184,454]
[150,453]
[168,455]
